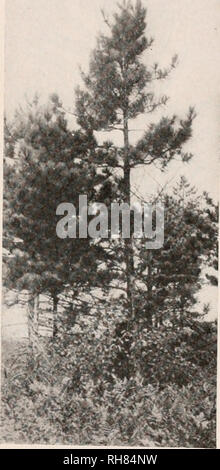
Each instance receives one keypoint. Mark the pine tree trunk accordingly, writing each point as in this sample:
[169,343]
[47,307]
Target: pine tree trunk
[55,326]
[128,242]
[149,290]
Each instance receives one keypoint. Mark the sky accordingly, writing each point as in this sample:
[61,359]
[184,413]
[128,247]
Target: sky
[47,40]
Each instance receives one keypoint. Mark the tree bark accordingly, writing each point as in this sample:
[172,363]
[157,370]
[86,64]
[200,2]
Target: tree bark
[149,290]
[55,326]
[129,260]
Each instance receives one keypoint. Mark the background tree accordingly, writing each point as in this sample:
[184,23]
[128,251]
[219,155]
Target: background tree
[46,165]
[174,274]
[168,282]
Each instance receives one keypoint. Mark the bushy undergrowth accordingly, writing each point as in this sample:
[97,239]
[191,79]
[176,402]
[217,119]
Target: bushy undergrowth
[126,413]
[73,395]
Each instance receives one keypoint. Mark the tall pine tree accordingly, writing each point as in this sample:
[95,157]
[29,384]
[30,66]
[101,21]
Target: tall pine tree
[117,89]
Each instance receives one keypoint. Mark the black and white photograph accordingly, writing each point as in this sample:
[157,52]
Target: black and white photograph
[109,323]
